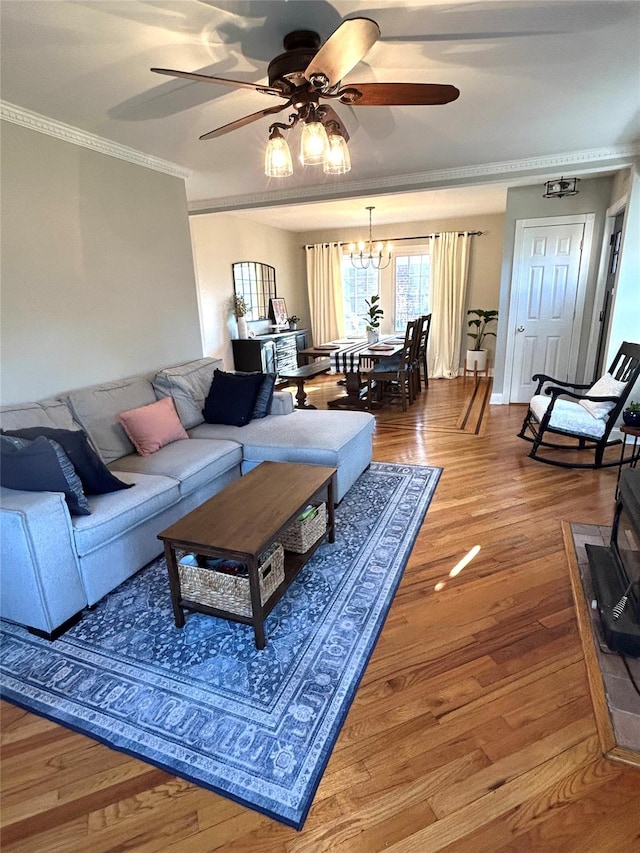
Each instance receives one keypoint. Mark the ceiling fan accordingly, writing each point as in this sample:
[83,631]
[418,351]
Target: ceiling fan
[308,72]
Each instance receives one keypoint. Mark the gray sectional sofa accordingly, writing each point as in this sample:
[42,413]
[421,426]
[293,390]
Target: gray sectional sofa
[55,564]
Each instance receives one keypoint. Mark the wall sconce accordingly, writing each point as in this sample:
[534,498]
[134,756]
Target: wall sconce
[560,187]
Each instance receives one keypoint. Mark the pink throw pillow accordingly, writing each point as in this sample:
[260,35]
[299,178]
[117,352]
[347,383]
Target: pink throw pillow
[151,427]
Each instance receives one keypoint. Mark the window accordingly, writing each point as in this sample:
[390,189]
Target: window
[411,286]
[357,285]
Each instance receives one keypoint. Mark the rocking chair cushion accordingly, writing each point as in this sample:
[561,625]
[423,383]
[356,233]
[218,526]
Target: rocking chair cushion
[606,386]
[569,417]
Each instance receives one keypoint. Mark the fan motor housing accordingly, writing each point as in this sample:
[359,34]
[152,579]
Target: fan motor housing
[288,68]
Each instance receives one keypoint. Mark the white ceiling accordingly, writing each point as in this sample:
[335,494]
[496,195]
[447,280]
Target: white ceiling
[546,88]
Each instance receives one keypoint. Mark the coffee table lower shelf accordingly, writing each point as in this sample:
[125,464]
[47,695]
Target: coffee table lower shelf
[293,564]
[240,523]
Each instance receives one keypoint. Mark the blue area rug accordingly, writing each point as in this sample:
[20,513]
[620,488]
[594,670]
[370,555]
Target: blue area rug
[202,702]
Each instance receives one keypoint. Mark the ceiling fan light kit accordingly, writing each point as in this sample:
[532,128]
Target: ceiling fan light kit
[561,187]
[309,71]
[338,161]
[314,142]
[277,158]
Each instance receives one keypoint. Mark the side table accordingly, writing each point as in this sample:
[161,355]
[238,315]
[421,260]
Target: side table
[632,461]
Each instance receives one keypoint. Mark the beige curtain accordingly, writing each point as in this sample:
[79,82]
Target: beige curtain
[449,274]
[324,284]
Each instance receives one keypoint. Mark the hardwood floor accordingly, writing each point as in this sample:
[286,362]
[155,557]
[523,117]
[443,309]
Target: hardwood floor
[473,728]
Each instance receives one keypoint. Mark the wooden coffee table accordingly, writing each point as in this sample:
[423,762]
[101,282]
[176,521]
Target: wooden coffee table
[241,522]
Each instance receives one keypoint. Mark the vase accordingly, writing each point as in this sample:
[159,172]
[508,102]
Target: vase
[372,336]
[630,418]
[243,329]
[476,360]
[293,326]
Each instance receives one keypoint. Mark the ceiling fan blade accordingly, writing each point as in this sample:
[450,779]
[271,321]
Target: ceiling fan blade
[344,48]
[224,81]
[396,94]
[241,122]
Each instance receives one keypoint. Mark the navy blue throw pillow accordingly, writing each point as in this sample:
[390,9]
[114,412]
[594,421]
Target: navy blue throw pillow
[94,475]
[41,466]
[265,393]
[232,398]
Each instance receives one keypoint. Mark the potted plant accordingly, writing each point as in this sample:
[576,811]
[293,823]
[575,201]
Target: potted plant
[293,321]
[477,354]
[631,415]
[373,316]
[240,309]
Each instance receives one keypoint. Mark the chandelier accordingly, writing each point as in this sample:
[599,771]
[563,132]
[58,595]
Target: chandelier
[323,142]
[366,255]
[560,187]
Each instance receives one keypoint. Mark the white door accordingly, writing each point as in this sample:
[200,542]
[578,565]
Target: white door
[547,278]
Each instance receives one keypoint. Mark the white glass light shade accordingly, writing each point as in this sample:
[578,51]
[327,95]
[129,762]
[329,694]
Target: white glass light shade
[338,161]
[314,144]
[277,159]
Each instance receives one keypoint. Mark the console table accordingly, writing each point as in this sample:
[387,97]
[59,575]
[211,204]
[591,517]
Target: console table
[271,353]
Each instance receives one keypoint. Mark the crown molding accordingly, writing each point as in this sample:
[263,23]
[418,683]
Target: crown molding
[68,133]
[583,161]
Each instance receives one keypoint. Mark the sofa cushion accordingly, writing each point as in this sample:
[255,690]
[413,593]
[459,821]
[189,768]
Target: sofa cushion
[232,398]
[282,403]
[188,384]
[115,513]
[94,475]
[52,412]
[97,408]
[41,465]
[151,427]
[193,463]
[320,437]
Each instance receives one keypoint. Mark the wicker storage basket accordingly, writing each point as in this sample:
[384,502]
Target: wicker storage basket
[229,592]
[301,535]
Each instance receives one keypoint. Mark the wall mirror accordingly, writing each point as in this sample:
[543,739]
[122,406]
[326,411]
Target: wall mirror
[256,283]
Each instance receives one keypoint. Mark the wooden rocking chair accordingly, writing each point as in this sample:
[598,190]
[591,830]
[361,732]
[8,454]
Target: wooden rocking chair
[583,414]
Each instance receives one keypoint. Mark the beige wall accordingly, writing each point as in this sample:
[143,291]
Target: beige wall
[484,263]
[528,203]
[97,271]
[221,239]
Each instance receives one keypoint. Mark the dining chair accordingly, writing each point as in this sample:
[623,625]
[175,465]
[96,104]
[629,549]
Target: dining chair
[393,377]
[424,341]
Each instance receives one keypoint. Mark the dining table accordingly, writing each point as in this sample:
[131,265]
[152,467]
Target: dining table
[347,356]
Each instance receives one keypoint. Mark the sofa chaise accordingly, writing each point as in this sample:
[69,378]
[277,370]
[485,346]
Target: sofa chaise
[55,564]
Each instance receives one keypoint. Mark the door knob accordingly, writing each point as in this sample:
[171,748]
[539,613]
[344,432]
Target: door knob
[520,329]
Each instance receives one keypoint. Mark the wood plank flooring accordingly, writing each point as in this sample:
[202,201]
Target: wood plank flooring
[473,728]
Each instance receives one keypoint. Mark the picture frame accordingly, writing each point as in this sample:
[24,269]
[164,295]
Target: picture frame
[278,311]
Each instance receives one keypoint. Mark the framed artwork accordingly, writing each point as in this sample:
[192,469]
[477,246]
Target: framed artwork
[278,311]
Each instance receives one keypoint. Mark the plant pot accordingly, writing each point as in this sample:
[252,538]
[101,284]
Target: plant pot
[293,326]
[477,360]
[631,419]
[372,336]
[243,329]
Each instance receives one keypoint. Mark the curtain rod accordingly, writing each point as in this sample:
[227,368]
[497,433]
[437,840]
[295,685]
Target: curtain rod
[398,239]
